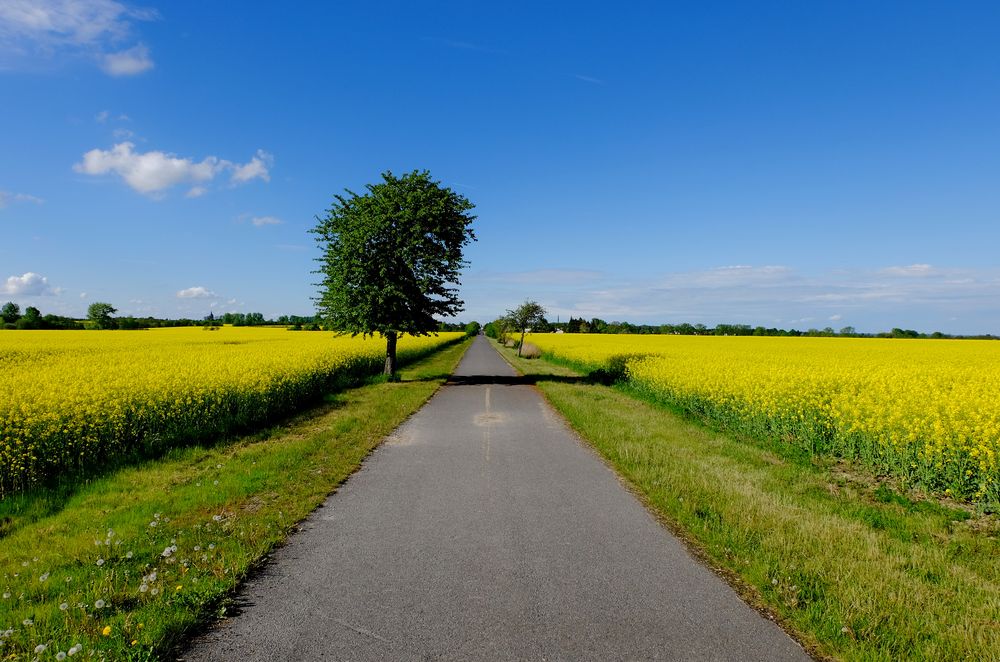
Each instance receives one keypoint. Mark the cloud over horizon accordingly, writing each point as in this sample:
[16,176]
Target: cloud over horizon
[913,296]
[28,284]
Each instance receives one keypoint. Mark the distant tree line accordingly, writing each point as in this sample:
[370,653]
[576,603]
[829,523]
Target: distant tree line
[101,316]
[496,329]
[12,318]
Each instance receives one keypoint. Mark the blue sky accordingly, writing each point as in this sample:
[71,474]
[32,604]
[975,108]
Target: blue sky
[803,164]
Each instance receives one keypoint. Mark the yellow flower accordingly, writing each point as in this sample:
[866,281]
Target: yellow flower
[106,631]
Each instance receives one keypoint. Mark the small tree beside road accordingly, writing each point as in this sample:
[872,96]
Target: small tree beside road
[392,257]
[524,317]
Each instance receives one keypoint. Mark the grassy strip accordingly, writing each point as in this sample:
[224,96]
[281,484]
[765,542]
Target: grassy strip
[130,563]
[855,569]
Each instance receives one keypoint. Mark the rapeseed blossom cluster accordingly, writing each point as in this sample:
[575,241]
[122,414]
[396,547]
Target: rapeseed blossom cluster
[926,411]
[72,400]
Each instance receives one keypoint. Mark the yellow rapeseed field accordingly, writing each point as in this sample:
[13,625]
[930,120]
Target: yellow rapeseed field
[70,400]
[927,411]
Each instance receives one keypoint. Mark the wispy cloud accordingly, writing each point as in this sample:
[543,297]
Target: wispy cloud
[129,62]
[463,45]
[261,221]
[32,31]
[197,292]
[589,79]
[7,198]
[913,270]
[153,172]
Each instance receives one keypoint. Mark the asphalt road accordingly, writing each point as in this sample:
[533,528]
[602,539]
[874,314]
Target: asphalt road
[483,529]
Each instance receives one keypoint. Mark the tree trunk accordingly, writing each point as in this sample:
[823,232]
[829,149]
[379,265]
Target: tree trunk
[521,344]
[390,354]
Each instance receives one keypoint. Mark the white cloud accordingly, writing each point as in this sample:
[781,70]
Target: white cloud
[8,198]
[836,318]
[197,292]
[588,79]
[36,30]
[129,62]
[83,295]
[30,284]
[196,192]
[102,116]
[257,167]
[153,172]
[261,221]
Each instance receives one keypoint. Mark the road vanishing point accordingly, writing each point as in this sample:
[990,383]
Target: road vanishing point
[485,529]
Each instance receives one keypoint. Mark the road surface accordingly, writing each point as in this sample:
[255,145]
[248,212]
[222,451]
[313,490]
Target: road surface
[483,529]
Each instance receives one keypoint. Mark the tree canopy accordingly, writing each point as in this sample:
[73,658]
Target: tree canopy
[392,257]
[523,317]
[100,314]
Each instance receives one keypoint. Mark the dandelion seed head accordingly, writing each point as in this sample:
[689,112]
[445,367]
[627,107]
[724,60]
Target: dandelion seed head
[99,604]
[100,562]
[40,648]
[43,577]
[64,606]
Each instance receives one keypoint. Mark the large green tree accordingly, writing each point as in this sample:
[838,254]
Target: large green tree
[392,257]
[100,314]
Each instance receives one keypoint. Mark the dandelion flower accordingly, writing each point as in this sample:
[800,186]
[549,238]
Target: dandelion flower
[106,631]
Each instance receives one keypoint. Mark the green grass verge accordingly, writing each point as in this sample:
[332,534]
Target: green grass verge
[853,568]
[127,565]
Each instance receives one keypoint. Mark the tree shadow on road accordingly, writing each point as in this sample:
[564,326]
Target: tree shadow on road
[475,380]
